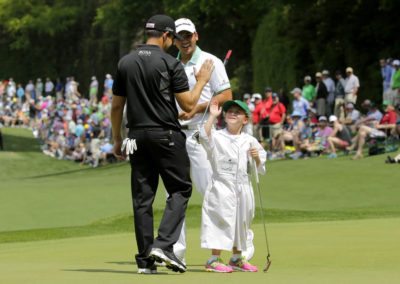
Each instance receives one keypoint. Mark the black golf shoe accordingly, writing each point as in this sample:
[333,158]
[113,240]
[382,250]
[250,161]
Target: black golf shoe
[169,258]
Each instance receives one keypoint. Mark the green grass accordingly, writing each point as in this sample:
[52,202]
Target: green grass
[38,192]
[329,221]
[363,251]
[123,223]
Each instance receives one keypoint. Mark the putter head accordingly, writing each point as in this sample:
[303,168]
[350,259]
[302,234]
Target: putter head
[267,265]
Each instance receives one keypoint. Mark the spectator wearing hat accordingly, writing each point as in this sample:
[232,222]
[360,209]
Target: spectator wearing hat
[48,87]
[330,86]
[386,73]
[300,104]
[261,114]
[39,88]
[317,142]
[11,89]
[321,94]
[395,94]
[30,91]
[256,99]
[308,91]
[339,95]
[277,117]
[292,132]
[93,90]
[323,132]
[73,89]
[249,102]
[388,122]
[351,87]
[340,137]
[373,114]
[352,116]
[108,83]
[20,93]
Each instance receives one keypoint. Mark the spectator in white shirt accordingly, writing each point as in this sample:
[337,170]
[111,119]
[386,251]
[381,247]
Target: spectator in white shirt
[351,87]
[48,87]
[330,86]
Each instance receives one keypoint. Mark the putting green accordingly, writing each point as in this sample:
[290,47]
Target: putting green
[40,192]
[362,251]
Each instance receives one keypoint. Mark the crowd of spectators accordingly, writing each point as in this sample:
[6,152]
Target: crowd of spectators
[68,124]
[319,118]
[324,117]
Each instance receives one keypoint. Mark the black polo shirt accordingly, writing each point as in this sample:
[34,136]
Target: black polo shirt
[149,78]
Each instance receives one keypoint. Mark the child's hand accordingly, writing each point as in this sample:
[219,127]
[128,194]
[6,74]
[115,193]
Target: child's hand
[215,110]
[254,153]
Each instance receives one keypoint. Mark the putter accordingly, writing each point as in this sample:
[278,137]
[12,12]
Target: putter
[196,135]
[268,263]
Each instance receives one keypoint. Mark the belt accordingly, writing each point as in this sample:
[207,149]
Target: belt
[190,127]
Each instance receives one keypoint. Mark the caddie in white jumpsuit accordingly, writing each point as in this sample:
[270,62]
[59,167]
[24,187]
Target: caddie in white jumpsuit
[228,206]
[192,58]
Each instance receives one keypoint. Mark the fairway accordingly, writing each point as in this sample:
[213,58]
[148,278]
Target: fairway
[331,252]
[329,221]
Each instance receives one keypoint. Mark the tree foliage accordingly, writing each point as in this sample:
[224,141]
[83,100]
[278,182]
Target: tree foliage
[323,34]
[274,42]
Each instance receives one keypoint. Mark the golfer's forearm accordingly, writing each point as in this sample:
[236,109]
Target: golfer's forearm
[195,94]
[116,121]
[224,96]
[117,110]
[188,100]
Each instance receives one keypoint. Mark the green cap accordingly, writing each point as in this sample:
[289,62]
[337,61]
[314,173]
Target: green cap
[239,103]
[386,103]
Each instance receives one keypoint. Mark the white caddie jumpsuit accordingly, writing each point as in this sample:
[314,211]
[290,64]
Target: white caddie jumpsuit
[228,206]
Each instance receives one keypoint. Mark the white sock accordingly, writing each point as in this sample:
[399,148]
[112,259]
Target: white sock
[213,258]
[236,256]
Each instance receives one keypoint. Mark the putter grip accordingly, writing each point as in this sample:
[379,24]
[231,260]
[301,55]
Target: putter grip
[228,55]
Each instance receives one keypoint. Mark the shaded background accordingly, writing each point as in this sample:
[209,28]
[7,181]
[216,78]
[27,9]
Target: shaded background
[274,43]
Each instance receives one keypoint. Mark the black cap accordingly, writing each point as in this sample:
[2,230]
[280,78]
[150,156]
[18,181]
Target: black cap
[162,23]
[267,89]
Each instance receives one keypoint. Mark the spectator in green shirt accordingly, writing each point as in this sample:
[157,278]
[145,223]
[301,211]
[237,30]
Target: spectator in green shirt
[308,91]
[395,96]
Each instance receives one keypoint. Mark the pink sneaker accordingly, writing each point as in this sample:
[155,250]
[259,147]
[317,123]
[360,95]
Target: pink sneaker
[241,264]
[218,266]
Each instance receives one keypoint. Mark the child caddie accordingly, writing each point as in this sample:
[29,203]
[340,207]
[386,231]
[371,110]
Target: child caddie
[228,206]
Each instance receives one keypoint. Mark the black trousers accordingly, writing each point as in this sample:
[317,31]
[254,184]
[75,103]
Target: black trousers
[162,153]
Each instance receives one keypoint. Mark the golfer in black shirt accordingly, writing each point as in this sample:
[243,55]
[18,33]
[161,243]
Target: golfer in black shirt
[149,80]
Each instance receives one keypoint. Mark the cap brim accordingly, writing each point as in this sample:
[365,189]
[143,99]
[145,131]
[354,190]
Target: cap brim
[228,104]
[177,36]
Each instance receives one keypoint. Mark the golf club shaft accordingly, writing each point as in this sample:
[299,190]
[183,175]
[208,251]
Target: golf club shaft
[261,205]
[227,57]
